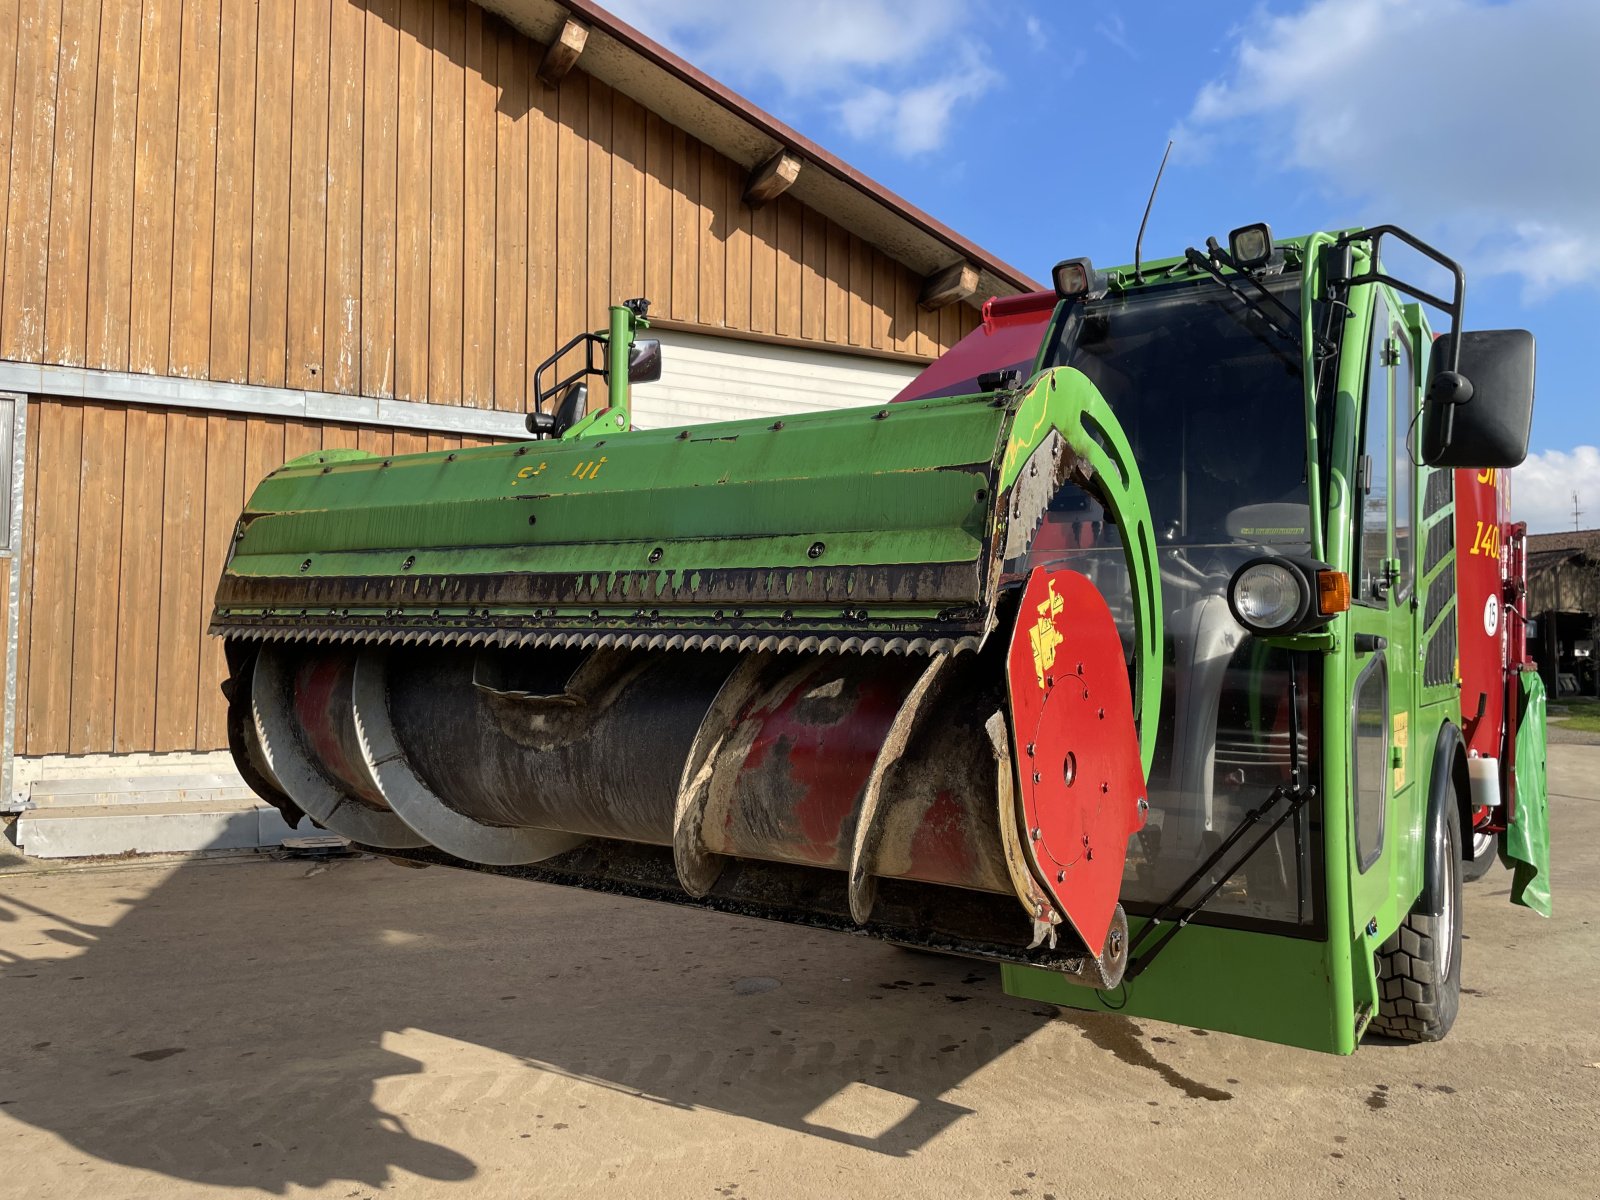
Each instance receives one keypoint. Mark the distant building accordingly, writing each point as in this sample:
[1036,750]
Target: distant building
[1563,597]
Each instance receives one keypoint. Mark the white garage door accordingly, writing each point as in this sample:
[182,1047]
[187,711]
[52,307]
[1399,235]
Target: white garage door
[708,378]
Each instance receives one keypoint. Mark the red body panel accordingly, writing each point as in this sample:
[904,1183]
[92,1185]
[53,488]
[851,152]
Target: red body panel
[1009,336]
[1483,512]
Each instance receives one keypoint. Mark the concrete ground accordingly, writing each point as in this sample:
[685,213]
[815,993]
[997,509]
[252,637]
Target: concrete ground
[355,1028]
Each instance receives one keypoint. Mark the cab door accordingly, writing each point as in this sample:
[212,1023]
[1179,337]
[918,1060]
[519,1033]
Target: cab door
[1382,746]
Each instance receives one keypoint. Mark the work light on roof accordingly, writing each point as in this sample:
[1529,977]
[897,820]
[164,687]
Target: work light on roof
[1251,245]
[1073,277]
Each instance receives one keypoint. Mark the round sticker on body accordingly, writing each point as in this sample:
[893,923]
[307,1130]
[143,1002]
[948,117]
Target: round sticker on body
[1491,615]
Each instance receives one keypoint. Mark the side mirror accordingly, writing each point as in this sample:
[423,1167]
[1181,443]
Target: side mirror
[644,361]
[1480,414]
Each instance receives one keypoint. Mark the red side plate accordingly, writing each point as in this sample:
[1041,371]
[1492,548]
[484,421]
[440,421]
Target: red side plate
[1077,751]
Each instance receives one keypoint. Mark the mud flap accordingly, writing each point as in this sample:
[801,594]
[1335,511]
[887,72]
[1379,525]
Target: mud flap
[1080,786]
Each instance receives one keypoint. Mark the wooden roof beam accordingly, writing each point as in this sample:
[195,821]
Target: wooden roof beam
[957,282]
[772,178]
[562,54]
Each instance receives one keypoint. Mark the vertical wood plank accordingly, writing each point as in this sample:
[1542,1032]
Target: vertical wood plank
[27,232]
[224,497]
[94,598]
[711,229]
[111,205]
[836,302]
[444,262]
[410,441]
[375,441]
[301,438]
[178,582]
[413,196]
[789,251]
[511,221]
[263,450]
[341,437]
[860,292]
[764,269]
[927,338]
[950,330]
[542,202]
[236,120]
[439,441]
[599,224]
[572,206]
[736,290]
[308,197]
[379,148]
[904,328]
[66,299]
[627,199]
[139,569]
[269,226]
[882,299]
[194,189]
[59,427]
[10,25]
[155,160]
[685,232]
[478,199]
[813,271]
[658,212]
[341,302]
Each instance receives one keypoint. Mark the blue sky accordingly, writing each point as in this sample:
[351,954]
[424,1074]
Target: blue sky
[1035,128]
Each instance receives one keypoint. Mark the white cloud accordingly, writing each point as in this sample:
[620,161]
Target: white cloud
[890,70]
[1466,119]
[1542,489]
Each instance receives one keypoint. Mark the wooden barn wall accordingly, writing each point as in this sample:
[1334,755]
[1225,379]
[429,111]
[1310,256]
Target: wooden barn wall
[375,197]
[128,515]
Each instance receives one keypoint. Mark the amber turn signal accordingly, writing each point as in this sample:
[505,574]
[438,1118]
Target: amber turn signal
[1333,592]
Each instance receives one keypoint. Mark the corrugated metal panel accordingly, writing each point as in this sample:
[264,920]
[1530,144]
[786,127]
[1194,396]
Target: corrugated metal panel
[708,378]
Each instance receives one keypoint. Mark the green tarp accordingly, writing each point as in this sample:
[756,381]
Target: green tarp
[1526,844]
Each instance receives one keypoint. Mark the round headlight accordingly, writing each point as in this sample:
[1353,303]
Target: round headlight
[1267,596]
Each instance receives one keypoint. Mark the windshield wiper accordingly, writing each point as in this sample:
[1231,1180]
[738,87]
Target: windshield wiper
[1208,264]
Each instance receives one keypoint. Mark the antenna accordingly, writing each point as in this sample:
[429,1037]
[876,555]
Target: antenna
[1138,243]
[1577,513]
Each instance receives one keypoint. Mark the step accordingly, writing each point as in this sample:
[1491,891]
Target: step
[159,827]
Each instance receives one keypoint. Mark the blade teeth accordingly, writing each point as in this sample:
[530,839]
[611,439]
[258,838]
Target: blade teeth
[699,640]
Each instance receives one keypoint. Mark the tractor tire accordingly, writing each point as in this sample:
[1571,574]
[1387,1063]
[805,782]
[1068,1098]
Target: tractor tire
[1419,968]
[1484,849]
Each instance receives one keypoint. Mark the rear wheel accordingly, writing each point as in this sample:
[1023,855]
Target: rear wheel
[1419,968]
[1483,856]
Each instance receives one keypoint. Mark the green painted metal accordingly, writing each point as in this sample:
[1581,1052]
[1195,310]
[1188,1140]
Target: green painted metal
[1527,837]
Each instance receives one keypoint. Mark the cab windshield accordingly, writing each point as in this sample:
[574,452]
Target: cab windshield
[1212,400]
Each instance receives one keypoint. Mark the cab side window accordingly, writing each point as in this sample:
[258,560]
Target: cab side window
[1402,434]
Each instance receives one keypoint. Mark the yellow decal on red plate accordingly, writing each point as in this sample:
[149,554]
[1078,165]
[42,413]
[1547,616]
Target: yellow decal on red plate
[1044,634]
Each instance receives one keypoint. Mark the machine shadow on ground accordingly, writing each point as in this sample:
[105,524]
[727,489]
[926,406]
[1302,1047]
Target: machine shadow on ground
[234,1024]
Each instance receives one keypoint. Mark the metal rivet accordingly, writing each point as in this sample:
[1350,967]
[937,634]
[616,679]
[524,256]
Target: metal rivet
[1102,714]
[532,519]
[776,425]
[306,566]
[684,436]
[1061,876]
[816,550]
[1036,777]
[1104,788]
[1030,749]
[880,414]
[1144,805]
[1035,834]
[449,458]
[655,555]
[411,561]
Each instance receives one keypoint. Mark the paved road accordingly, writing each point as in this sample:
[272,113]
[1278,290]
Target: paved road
[358,1029]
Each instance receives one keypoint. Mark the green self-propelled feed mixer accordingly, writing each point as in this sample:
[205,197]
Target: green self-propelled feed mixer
[1139,605]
